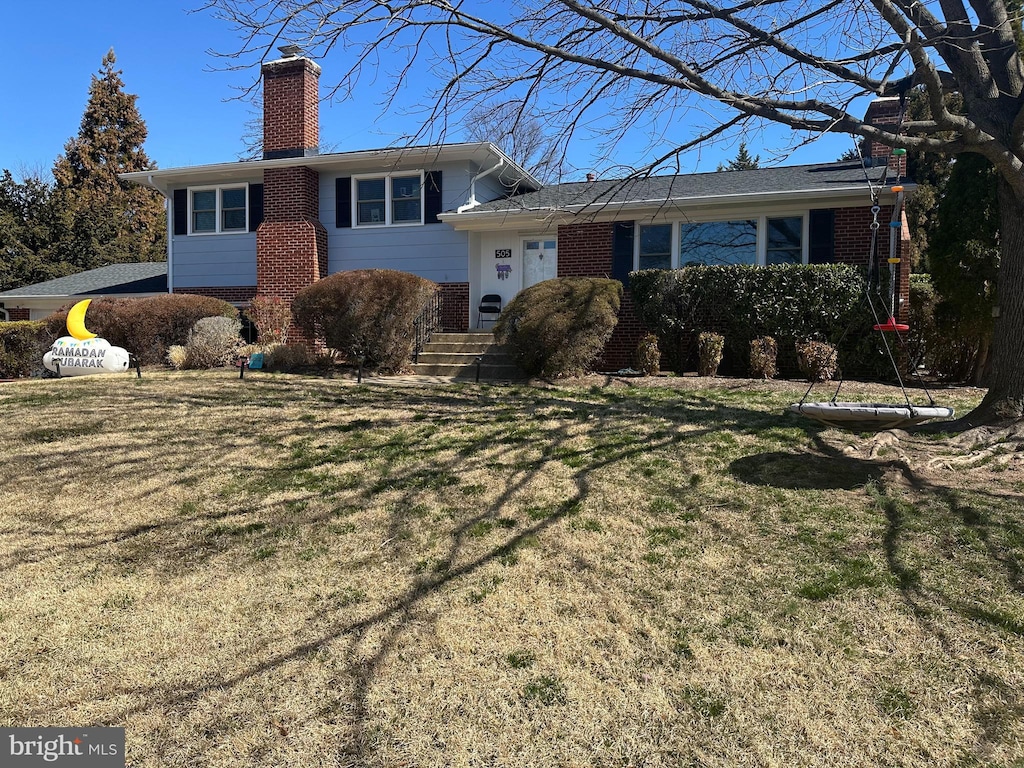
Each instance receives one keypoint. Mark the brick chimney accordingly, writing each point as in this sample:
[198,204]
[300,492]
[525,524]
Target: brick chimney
[291,243]
[885,113]
[291,106]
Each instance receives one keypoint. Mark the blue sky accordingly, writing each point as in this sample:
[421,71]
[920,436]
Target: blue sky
[52,49]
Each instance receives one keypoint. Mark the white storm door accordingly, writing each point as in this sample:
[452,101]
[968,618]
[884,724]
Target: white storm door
[540,261]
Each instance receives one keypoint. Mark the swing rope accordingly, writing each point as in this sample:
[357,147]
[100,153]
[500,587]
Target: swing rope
[874,280]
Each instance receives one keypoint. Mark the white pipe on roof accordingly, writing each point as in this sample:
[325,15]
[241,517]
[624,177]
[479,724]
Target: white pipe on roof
[472,202]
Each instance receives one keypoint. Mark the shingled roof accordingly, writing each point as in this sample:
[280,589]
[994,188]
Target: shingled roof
[115,279]
[823,178]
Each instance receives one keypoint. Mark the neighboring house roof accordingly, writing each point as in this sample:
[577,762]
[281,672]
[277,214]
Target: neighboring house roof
[485,154]
[819,181]
[115,279]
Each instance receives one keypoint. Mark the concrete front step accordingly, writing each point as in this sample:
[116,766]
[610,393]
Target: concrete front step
[466,347]
[488,372]
[478,337]
[430,356]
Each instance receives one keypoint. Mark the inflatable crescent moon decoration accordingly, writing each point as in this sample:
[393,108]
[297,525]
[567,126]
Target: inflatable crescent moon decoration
[76,321]
[82,352]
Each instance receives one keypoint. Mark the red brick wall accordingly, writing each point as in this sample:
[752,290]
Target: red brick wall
[853,246]
[585,250]
[291,106]
[291,243]
[454,307]
[18,313]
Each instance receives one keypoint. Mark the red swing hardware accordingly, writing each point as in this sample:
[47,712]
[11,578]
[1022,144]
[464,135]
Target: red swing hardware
[892,325]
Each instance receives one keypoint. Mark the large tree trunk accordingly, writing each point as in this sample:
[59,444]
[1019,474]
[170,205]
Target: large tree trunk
[1005,399]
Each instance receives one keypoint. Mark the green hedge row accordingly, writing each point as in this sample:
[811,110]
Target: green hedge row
[789,303]
[22,345]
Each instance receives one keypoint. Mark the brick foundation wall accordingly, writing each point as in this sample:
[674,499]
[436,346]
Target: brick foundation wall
[454,307]
[238,295]
[18,313]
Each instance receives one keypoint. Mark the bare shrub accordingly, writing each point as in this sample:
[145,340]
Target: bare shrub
[709,352]
[177,356]
[648,355]
[817,360]
[272,317]
[287,358]
[213,342]
[764,353]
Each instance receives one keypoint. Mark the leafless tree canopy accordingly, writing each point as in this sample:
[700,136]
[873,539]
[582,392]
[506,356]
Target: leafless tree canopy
[622,63]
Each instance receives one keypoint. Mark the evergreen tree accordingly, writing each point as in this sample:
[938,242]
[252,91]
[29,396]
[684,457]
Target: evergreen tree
[743,161]
[107,220]
[29,224]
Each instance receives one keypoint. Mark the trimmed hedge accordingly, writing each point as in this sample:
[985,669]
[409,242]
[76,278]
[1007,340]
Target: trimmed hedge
[366,313]
[22,346]
[559,327]
[146,327]
[789,303]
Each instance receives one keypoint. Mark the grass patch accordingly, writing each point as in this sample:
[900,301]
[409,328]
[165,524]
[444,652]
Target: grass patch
[459,575]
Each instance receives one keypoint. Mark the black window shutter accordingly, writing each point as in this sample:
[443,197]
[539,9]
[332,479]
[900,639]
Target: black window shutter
[255,206]
[431,196]
[343,202]
[821,248]
[181,211]
[622,251]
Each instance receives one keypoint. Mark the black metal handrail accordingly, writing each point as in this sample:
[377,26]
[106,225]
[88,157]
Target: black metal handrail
[429,320]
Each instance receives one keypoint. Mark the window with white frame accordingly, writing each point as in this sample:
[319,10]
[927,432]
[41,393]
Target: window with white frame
[3,315]
[754,241]
[218,210]
[655,246]
[392,199]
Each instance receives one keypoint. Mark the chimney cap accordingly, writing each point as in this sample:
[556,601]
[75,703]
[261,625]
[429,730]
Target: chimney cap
[290,51]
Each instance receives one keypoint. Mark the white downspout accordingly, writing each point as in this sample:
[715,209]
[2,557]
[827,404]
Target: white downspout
[472,202]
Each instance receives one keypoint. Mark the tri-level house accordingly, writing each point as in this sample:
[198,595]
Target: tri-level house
[469,218]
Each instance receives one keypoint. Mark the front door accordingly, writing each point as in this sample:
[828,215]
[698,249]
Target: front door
[540,261]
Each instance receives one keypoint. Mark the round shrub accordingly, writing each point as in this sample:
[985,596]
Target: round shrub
[648,355]
[763,355]
[818,361]
[559,327]
[709,352]
[213,342]
[22,346]
[366,314]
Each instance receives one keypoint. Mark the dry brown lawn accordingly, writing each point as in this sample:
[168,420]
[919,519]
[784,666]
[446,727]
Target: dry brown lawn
[290,571]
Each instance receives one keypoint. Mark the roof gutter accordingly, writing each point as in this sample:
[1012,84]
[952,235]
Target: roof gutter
[472,202]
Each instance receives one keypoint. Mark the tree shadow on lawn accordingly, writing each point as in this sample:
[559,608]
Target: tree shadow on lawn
[175,542]
[933,581]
